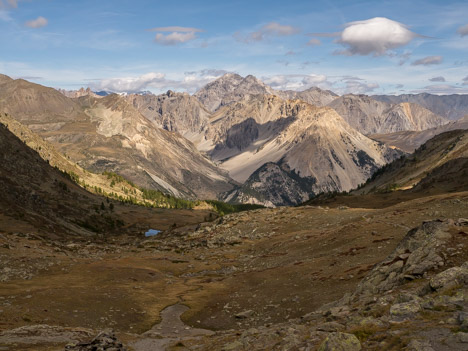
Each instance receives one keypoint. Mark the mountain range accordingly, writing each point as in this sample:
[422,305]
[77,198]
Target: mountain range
[236,139]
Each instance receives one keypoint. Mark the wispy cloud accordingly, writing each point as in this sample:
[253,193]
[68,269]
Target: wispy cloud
[437,79]
[8,3]
[177,35]
[463,30]
[37,23]
[374,36]
[296,81]
[130,84]
[465,80]
[442,89]
[355,85]
[313,42]
[427,61]
[176,29]
[272,29]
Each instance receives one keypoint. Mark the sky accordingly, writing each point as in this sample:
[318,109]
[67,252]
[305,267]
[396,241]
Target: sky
[369,47]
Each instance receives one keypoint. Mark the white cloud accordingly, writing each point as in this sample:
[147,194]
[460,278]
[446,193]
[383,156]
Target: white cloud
[374,36]
[272,29]
[174,38]
[177,35]
[437,79]
[296,81]
[463,30]
[427,61]
[156,81]
[176,29]
[358,86]
[130,84]
[37,23]
[313,42]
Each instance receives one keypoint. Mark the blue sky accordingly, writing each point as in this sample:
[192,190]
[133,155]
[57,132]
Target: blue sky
[368,47]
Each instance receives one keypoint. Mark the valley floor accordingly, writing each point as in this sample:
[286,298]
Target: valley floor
[239,275]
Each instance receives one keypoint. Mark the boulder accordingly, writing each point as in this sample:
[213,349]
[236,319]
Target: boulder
[340,342]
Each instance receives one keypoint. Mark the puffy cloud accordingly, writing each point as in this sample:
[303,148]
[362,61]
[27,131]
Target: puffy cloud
[427,61]
[463,30]
[130,84]
[37,23]
[437,79]
[177,35]
[374,36]
[313,42]
[272,29]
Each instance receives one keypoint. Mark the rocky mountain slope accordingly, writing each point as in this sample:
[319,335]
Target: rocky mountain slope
[314,96]
[109,134]
[230,88]
[175,112]
[409,141]
[370,116]
[313,148]
[451,107]
[441,163]
[39,195]
[78,93]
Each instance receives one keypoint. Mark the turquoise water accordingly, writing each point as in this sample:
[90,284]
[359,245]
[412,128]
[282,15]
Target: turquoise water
[152,232]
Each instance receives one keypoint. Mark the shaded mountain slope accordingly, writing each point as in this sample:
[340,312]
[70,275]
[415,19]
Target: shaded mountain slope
[440,154]
[35,193]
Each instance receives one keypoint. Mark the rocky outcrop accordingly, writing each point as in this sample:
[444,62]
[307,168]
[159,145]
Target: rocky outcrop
[418,253]
[105,340]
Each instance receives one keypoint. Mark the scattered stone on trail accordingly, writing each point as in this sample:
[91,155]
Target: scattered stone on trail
[105,340]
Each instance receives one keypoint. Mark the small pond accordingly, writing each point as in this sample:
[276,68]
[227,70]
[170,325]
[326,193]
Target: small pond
[152,232]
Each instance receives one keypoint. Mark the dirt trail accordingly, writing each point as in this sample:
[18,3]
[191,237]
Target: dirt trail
[168,331]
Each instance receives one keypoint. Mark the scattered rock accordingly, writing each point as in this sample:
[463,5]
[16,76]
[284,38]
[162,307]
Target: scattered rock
[340,342]
[105,340]
[244,314]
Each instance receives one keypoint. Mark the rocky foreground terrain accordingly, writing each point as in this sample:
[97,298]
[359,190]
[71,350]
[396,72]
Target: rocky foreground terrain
[301,278]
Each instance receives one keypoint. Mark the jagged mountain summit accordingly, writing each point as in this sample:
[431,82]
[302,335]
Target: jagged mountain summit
[370,116]
[230,88]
